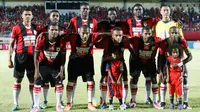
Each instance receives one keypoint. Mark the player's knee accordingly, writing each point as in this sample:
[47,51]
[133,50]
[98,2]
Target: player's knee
[18,80]
[185,81]
[134,80]
[154,80]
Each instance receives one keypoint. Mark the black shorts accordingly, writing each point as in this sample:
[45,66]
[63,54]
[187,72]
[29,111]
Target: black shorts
[148,70]
[20,66]
[81,67]
[48,74]
[104,73]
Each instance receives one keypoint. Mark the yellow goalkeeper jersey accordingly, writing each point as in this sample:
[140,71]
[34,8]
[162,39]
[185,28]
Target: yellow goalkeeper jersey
[162,29]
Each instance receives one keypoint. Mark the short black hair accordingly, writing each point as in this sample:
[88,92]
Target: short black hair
[146,28]
[85,26]
[54,11]
[27,9]
[164,5]
[175,46]
[172,28]
[112,9]
[137,5]
[53,24]
[117,29]
[84,4]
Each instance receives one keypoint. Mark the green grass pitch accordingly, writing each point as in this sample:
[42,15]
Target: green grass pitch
[80,105]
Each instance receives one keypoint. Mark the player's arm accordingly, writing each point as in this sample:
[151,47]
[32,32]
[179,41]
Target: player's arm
[36,56]
[11,47]
[121,74]
[161,57]
[108,69]
[167,65]
[63,58]
[186,50]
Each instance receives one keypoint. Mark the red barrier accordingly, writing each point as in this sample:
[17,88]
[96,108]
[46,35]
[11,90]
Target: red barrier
[5,46]
[1,46]
[192,36]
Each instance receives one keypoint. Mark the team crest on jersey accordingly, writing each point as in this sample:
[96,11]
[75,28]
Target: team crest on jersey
[35,32]
[146,47]
[145,23]
[91,25]
[58,49]
[153,47]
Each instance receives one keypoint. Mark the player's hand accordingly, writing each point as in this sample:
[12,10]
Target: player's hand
[181,79]
[167,79]
[60,74]
[61,33]
[174,65]
[36,75]
[10,64]
[119,82]
[114,82]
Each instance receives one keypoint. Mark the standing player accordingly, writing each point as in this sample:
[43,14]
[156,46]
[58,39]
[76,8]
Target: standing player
[108,26]
[145,50]
[162,31]
[77,22]
[54,17]
[81,55]
[115,69]
[116,41]
[49,60]
[174,74]
[24,35]
[137,23]
[174,38]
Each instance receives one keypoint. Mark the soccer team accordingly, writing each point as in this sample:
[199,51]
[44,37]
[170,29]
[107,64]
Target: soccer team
[42,54]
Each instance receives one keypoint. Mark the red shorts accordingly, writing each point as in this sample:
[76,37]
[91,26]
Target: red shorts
[114,90]
[175,84]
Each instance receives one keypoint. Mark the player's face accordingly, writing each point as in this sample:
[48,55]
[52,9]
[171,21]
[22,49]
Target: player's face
[138,11]
[27,16]
[165,11]
[54,17]
[84,33]
[112,15]
[146,34]
[53,32]
[85,10]
[175,53]
[173,33]
[117,36]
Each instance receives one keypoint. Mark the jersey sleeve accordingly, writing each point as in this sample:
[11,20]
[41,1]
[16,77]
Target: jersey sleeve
[62,46]
[71,26]
[108,67]
[129,22]
[14,33]
[184,45]
[94,21]
[39,43]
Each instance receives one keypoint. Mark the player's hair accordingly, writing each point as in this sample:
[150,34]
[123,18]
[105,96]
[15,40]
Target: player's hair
[137,5]
[117,29]
[175,46]
[146,28]
[112,9]
[85,27]
[172,28]
[26,9]
[54,11]
[53,24]
[164,5]
[84,4]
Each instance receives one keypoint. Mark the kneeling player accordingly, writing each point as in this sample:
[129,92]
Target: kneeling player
[115,69]
[49,62]
[145,51]
[175,75]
